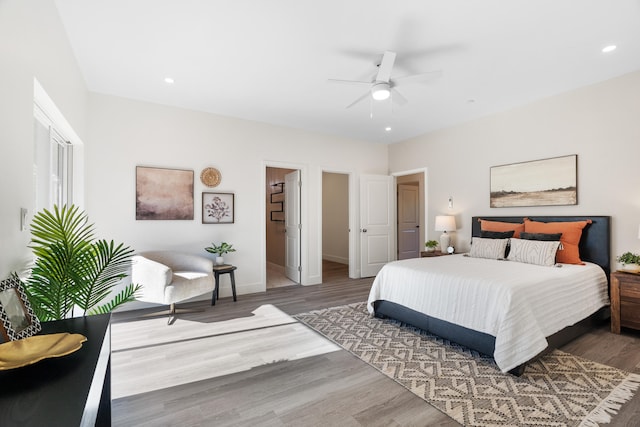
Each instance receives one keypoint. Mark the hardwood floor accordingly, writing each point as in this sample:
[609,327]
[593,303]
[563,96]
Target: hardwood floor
[334,388]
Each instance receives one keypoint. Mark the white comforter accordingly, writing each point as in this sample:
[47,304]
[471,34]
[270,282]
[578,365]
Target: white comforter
[519,304]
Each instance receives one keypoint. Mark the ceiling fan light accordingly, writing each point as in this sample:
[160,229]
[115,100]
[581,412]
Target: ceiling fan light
[380,91]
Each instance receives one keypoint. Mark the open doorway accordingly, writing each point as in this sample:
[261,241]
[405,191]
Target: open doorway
[410,214]
[335,226]
[276,237]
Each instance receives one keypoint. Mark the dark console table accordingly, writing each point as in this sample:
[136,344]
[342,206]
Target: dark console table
[73,390]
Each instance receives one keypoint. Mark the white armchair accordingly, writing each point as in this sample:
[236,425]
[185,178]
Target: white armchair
[170,277]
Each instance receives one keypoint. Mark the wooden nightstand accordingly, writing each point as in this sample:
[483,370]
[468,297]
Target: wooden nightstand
[424,254]
[625,301]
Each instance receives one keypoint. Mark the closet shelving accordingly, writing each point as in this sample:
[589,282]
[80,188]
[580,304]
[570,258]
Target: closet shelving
[278,190]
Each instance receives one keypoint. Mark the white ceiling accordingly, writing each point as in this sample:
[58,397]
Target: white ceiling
[269,61]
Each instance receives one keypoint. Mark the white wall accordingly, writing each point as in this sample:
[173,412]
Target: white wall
[125,133]
[599,123]
[33,44]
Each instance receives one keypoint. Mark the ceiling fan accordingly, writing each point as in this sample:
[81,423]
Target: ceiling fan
[382,87]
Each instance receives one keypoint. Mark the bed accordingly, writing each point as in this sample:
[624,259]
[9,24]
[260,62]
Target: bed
[509,310]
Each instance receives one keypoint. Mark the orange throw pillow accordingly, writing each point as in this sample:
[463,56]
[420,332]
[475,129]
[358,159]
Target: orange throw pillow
[570,239]
[516,227]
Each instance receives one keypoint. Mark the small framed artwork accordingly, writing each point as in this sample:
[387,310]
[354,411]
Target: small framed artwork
[217,208]
[17,319]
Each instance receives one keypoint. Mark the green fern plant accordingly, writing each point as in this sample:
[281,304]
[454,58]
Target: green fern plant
[73,269]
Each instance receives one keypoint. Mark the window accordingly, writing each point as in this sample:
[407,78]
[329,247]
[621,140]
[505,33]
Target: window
[53,166]
[55,143]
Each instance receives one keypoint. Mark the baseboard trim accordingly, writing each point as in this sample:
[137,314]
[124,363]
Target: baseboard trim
[225,291]
[275,267]
[335,258]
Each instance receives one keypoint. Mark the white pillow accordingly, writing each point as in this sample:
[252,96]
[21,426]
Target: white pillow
[488,248]
[533,251]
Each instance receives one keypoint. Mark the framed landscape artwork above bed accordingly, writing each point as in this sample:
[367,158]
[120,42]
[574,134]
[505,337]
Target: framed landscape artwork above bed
[546,182]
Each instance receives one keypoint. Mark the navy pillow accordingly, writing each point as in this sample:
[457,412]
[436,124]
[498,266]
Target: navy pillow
[547,237]
[496,234]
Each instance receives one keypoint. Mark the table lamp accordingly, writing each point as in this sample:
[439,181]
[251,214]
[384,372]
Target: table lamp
[445,223]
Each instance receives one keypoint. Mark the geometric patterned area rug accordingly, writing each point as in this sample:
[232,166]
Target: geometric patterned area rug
[559,389]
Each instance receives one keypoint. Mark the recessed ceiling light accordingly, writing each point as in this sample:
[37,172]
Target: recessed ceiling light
[168,80]
[388,129]
[609,48]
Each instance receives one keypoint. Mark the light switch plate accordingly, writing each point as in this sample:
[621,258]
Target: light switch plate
[23,219]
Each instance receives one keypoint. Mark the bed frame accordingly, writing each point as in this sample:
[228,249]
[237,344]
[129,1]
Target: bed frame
[595,247]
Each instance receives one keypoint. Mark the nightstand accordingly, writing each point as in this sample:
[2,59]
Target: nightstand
[425,254]
[625,301]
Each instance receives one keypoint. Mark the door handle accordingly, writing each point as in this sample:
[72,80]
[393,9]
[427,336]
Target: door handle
[364,230]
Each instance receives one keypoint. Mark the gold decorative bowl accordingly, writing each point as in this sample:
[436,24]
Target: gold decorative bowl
[16,354]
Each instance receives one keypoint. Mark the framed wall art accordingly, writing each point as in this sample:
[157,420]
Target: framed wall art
[17,319]
[164,194]
[547,182]
[218,208]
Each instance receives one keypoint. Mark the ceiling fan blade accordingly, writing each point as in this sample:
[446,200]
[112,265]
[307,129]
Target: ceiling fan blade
[349,82]
[385,67]
[362,98]
[397,97]
[417,77]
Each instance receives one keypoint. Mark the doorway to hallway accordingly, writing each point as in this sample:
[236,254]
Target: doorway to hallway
[335,226]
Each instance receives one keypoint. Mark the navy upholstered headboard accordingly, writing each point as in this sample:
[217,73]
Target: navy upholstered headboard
[595,243]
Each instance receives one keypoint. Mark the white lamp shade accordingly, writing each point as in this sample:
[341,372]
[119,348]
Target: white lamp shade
[445,223]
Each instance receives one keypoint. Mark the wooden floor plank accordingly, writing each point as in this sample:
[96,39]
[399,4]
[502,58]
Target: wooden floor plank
[329,389]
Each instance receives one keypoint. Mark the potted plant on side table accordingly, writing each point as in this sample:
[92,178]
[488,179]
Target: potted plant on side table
[431,245]
[630,262]
[220,250]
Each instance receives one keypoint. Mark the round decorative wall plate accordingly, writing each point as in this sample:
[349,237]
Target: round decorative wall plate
[210,177]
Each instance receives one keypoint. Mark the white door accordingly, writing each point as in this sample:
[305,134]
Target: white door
[376,223]
[292,225]
[408,221]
